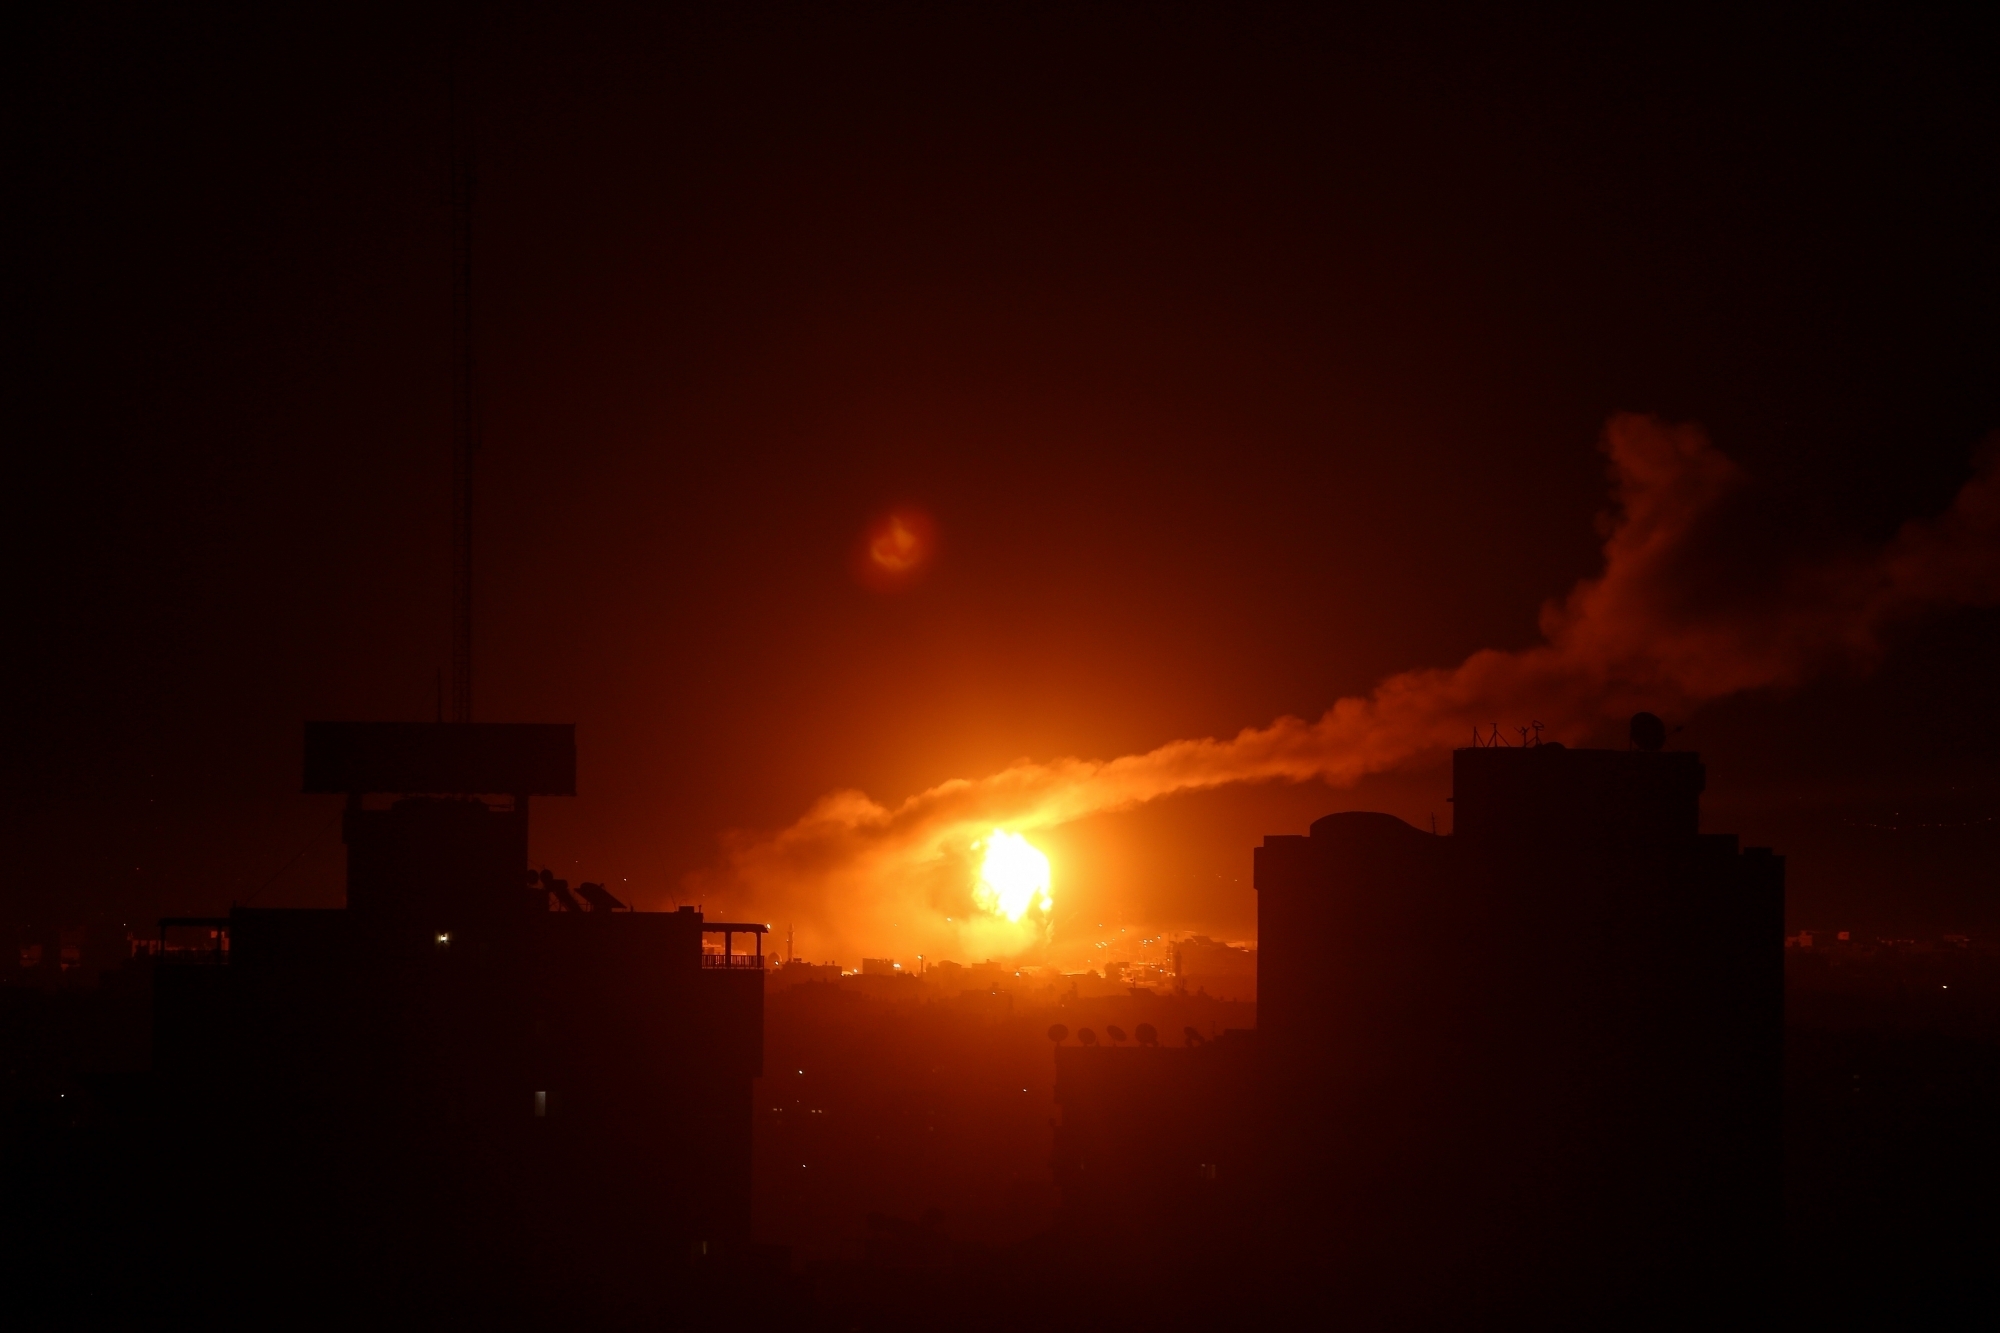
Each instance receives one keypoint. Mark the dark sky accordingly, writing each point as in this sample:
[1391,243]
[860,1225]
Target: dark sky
[1242,357]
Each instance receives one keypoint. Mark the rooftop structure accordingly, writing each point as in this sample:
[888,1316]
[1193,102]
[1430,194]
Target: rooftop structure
[470,1075]
[1532,1066]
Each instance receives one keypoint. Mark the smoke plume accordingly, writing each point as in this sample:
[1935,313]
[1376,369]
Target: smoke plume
[1691,605]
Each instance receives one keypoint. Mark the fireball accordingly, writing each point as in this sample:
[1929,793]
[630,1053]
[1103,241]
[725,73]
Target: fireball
[894,552]
[896,546]
[1014,878]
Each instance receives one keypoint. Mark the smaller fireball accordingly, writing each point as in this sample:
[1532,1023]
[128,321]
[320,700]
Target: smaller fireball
[896,549]
[896,545]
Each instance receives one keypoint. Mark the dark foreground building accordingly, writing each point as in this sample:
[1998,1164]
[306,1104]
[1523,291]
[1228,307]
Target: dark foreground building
[1530,1071]
[466,1093]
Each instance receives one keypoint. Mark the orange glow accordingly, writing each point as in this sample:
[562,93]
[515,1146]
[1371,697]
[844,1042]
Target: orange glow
[896,549]
[1014,877]
[881,876]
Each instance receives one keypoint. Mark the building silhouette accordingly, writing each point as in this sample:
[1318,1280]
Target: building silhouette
[1530,1069]
[1223,970]
[469,1088]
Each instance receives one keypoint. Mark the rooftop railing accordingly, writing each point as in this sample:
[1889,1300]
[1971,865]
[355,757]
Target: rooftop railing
[753,961]
[726,956]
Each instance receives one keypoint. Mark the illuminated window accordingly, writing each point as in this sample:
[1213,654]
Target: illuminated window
[541,1103]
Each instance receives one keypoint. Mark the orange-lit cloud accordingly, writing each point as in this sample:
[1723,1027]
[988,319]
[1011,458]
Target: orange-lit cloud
[1686,609]
[895,549]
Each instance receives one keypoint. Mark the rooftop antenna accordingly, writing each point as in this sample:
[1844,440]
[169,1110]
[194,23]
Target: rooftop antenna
[464,391]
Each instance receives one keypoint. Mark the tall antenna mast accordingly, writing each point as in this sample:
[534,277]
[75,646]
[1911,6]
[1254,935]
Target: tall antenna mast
[464,393]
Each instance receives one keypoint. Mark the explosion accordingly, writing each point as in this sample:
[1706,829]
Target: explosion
[896,547]
[894,551]
[1013,878]
[1678,616]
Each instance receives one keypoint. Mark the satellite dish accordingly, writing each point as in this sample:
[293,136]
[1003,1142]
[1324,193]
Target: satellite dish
[1058,1034]
[1116,1034]
[1648,732]
[1086,1036]
[1147,1035]
[599,898]
[1192,1037]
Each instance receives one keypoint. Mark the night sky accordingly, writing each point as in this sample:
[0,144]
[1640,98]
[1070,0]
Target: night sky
[1241,359]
